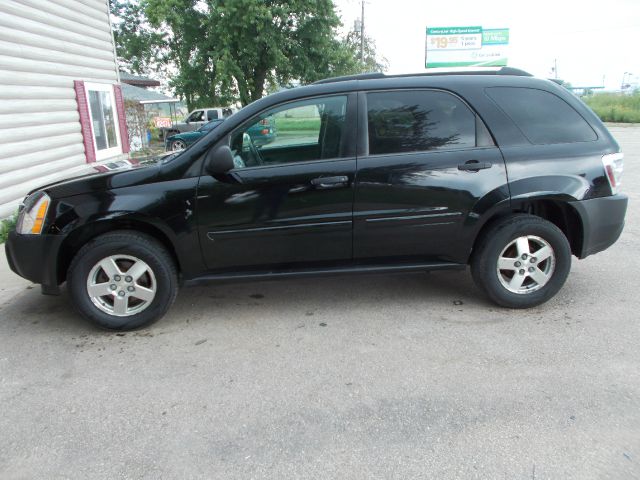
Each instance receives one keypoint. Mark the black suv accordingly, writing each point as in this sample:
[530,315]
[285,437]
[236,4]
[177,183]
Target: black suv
[372,173]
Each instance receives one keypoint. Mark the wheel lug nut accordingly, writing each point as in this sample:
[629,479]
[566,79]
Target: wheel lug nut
[128,278]
[521,272]
[117,278]
[524,256]
[112,287]
[517,264]
[121,293]
[130,288]
[534,259]
[531,269]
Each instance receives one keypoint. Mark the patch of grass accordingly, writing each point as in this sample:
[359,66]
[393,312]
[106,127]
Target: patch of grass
[284,124]
[7,225]
[615,107]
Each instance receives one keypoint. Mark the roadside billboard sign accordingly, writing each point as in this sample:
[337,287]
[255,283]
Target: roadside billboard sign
[466,47]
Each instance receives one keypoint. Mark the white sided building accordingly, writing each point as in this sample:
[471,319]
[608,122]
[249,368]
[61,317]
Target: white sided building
[61,105]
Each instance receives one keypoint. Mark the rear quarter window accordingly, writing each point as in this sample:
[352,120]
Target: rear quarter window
[542,117]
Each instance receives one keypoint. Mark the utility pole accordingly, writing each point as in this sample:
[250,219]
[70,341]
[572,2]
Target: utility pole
[624,77]
[362,36]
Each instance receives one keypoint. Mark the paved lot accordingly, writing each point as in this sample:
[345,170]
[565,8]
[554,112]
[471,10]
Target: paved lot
[413,376]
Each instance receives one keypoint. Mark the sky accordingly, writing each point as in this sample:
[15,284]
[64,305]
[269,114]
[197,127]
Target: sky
[591,40]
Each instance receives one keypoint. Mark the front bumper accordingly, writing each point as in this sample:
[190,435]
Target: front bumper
[35,257]
[602,222]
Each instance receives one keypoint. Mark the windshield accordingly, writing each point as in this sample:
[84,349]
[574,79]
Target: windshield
[209,126]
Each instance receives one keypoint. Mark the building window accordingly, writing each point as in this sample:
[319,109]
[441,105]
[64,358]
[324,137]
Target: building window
[105,127]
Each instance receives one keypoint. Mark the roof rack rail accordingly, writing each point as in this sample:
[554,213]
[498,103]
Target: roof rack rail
[437,72]
[346,78]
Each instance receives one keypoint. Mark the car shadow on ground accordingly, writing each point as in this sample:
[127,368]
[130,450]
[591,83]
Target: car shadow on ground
[338,296]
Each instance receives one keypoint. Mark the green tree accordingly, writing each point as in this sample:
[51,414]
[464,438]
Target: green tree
[186,53]
[219,51]
[136,42]
[275,42]
[372,62]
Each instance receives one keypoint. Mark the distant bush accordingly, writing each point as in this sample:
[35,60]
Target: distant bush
[6,226]
[615,107]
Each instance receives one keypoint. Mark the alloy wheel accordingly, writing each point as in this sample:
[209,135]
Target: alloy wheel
[526,264]
[121,285]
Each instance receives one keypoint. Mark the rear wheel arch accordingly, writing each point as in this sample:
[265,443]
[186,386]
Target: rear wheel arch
[84,234]
[559,212]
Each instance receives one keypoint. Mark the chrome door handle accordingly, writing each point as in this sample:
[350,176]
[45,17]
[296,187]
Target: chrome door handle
[474,166]
[330,182]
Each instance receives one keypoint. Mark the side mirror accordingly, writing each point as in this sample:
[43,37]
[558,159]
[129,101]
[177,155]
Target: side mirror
[219,161]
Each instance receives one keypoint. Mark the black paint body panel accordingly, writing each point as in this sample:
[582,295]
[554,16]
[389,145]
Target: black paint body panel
[410,209]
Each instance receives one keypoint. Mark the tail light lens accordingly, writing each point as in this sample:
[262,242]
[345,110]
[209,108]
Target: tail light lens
[613,166]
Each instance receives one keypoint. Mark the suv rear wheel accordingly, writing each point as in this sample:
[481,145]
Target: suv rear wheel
[122,280]
[521,261]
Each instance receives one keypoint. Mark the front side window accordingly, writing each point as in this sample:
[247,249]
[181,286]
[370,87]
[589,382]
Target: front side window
[416,121]
[541,116]
[296,132]
[104,121]
[197,116]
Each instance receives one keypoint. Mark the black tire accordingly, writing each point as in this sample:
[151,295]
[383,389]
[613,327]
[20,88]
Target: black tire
[174,143]
[484,261]
[125,243]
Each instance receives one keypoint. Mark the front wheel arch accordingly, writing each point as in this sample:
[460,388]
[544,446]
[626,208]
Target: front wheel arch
[84,234]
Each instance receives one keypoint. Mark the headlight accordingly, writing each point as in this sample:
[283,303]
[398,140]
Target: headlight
[32,216]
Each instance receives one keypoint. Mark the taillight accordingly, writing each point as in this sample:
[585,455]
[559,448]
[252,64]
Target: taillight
[264,131]
[613,166]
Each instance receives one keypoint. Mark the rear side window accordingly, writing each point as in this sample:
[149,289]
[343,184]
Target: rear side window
[212,115]
[415,121]
[542,117]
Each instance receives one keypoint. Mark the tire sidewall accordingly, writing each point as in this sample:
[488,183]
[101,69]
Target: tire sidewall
[166,283]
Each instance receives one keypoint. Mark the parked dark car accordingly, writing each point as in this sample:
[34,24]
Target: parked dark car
[498,170]
[181,141]
[263,132]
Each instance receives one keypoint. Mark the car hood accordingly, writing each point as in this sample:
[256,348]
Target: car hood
[107,175]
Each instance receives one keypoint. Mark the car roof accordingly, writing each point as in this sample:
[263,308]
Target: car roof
[449,80]
[432,72]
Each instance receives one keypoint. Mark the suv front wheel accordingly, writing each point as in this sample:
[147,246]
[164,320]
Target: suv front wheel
[521,261]
[122,280]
